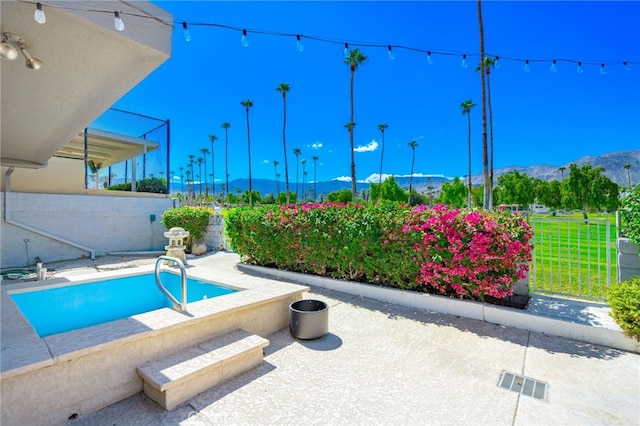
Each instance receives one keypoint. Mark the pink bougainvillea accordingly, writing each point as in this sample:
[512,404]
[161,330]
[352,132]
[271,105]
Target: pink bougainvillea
[469,253]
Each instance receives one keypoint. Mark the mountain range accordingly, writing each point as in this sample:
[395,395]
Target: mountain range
[613,164]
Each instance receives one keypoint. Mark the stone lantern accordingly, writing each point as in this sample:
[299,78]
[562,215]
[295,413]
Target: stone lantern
[176,238]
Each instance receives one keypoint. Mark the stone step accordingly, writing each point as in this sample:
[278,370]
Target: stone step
[179,376]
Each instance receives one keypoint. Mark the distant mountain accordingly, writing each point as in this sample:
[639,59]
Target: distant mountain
[612,162]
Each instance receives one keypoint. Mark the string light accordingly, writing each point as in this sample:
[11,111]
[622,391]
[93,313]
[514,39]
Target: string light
[244,40]
[464,61]
[602,70]
[496,63]
[527,68]
[38,15]
[117,22]
[390,53]
[299,44]
[345,52]
[185,31]
[429,59]
[554,68]
[579,70]
[627,66]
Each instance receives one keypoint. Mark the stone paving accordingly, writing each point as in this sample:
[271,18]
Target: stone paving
[388,364]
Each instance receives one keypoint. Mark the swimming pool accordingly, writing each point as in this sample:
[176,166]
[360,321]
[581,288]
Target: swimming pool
[56,310]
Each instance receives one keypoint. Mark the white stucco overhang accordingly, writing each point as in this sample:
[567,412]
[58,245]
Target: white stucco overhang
[88,66]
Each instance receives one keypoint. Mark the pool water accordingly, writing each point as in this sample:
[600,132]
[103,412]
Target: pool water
[62,309]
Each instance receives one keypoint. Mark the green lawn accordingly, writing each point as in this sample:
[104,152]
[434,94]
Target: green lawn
[570,255]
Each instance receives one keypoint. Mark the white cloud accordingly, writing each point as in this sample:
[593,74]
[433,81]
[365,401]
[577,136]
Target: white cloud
[375,178]
[371,146]
[342,178]
[316,145]
[266,161]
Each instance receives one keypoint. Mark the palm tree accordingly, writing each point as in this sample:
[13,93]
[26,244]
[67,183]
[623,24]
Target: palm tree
[489,63]
[278,182]
[354,60]
[466,109]
[199,176]
[296,152]
[275,167]
[304,179]
[315,177]
[204,152]
[627,167]
[191,163]
[247,104]
[284,88]
[170,180]
[382,128]
[188,173]
[562,169]
[485,160]
[212,139]
[226,126]
[412,145]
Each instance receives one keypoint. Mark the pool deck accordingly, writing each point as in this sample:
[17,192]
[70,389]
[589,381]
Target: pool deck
[383,363]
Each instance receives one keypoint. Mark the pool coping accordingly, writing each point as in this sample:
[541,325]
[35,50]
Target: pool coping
[24,351]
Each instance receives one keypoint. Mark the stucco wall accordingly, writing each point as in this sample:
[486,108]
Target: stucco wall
[101,222]
[62,175]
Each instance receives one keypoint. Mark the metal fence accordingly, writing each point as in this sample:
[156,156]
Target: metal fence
[572,257]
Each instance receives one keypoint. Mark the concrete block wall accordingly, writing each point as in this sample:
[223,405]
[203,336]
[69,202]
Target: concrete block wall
[214,237]
[628,259]
[102,222]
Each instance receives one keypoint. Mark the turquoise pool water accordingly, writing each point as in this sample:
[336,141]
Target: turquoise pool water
[61,309]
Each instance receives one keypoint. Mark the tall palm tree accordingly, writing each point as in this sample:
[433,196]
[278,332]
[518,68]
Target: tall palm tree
[354,60]
[191,163]
[562,169]
[204,152]
[485,159]
[188,173]
[199,176]
[296,152]
[489,64]
[212,139]
[412,145]
[247,104]
[466,109]
[627,167]
[315,177]
[275,167]
[226,126]
[382,128]
[181,180]
[284,88]
[304,179]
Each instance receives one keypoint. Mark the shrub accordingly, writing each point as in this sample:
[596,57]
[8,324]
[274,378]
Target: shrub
[631,215]
[192,219]
[154,185]
[624,299]
[456,252]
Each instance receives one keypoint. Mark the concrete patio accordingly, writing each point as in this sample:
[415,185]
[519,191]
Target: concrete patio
[383,363]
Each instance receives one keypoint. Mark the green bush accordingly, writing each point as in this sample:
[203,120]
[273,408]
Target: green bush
[154,185]
[630,210]
[192,219]
[624,299]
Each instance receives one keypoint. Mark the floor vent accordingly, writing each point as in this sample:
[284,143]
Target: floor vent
[523,385]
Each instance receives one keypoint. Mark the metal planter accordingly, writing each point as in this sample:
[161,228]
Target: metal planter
[308,319]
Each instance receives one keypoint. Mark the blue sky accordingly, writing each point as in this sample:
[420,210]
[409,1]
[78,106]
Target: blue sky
[540,117]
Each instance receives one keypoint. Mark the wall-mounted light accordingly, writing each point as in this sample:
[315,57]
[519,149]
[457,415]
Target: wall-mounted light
[8,50]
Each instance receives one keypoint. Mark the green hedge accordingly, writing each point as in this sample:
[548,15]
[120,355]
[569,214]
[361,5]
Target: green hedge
[192,219]
[372,244]
[154,185]
[624,299]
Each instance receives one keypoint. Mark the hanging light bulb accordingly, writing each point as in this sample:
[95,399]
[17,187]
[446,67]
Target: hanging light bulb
[527,68]
[117,22]
[496,63]
[39,14]
[579,70]
[345,52]
[464,61]
[602,70]
[299,44]
[627,66]
[390,53]
[244,40]
[429,60]
[185,31]
[554,68]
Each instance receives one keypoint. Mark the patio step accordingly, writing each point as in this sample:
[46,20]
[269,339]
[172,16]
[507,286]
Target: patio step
[179,376]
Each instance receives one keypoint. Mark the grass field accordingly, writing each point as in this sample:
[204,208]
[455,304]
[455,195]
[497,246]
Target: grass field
[571,255]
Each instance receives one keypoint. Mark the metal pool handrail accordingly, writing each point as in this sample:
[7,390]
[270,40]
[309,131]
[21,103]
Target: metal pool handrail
[179,306]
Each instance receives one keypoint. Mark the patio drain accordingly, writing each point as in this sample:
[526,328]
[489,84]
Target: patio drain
[523,385]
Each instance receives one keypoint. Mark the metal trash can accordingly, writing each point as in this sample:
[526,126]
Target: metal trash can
[308,319]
